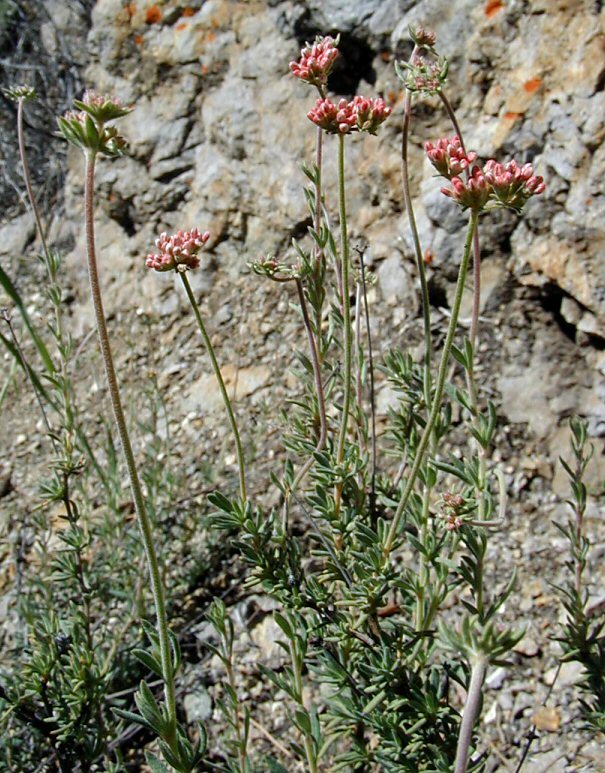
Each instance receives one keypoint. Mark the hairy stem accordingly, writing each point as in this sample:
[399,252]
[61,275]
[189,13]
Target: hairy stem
[439,389]
[476,247]
[27,179]
[135,484]
[319,394]
[407,197]
[346,315]
[374,458]
[471,711]
[221,384]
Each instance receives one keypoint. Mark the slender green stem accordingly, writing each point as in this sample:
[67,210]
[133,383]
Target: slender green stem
[476,247]
[319,253]
[473,330]
[135,484]
[439,388]
[374,459]
[51,268]
[319,394]
[346,314]
[297,673]
[27,179]
[471,711]
[409,208]
[221,384]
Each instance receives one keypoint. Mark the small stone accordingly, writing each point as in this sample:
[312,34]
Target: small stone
[528,647]
[496,678]
[546,718]
[197,704]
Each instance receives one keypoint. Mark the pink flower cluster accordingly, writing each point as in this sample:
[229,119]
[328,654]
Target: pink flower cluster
[93,99]
[512,185]
[448,156]
[472,193]
[501,185]
[453,505]
[316,61]
[360,114]
[178,252]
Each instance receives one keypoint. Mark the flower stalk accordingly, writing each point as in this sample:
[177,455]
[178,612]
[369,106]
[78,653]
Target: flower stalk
[135,484]
[346,316]
[439,387]
[221,384]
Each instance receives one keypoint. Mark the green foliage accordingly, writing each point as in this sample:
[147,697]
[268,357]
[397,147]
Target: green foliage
[582,638]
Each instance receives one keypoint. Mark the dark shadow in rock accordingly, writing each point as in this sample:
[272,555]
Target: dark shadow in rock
[550,297]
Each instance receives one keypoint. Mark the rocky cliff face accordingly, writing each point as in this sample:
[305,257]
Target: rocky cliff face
[219,130]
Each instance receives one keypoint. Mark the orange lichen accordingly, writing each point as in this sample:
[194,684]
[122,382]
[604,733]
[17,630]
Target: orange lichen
[532,85]
[211,37]
[138,39]
[512,116]
[188,11]
[153,15]
[492,7]
[181,26]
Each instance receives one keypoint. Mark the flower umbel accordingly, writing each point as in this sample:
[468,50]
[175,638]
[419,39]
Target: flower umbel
[361,114]
[370,113]
[101,107]
[472,193]
[178,252]
[86,128]
[20,92]
[423,75]
[512,185]
[448,157]
[422,38]
[496,185]
[316,61]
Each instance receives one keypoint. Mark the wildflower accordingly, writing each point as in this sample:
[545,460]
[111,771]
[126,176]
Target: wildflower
[86,128]
[448,157]
[101,107]
[316,61]
[423,75]
[20,92]
[422,38]
[275,270]
[512,185]
[179,251]
[335,119]
[361,114]
[472,193]
[370,113]
[452,506]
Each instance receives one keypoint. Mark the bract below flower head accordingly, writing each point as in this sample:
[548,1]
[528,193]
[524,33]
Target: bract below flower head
[316,61]
[448,157]
[178,252]
[512,185]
